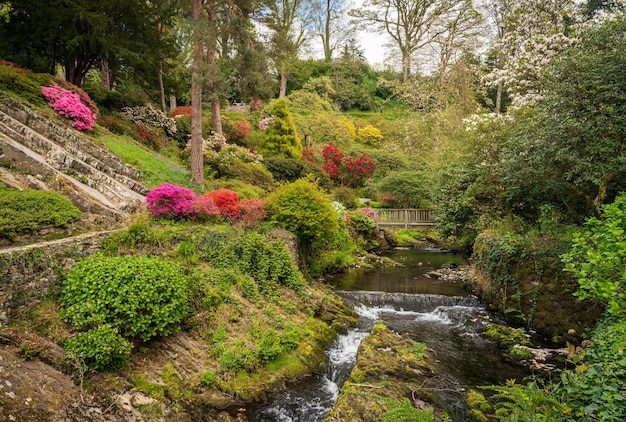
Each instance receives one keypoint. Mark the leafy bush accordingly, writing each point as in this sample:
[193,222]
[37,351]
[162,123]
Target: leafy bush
[345,195]
[302,208]
[292,169]
[142,297]
[280,138]
[69,104]
[369,135]
[598,258]
[30,210]
[362,223]
[100,348]
[409,189]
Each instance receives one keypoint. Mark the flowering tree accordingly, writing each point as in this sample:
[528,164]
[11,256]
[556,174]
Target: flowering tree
[69,104]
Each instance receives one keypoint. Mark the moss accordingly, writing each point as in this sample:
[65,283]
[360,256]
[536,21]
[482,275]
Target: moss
[506,336]
[520,353]
[478,406]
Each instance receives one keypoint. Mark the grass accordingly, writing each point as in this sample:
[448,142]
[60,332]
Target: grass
[155,169]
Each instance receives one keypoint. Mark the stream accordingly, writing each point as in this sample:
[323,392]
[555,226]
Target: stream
[439,313]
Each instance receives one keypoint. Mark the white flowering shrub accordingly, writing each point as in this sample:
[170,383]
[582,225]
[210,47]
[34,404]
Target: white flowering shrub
[150,117]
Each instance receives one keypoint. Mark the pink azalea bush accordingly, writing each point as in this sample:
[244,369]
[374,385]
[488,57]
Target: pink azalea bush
[69,104]
[177,202]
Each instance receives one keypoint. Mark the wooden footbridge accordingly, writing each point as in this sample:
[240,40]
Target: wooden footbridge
[407,218]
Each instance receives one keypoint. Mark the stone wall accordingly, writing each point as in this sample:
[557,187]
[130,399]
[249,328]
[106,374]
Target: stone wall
[29,273]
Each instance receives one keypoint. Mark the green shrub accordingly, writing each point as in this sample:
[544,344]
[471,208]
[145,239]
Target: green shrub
[361,223]
[100,348]
[346,196]
[142,297]
[244,189]
[302,208]
[30,210]
[291,169]
[409,189]
[598,258]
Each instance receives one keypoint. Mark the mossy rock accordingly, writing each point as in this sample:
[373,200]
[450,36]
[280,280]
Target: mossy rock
[506,337]
[387,381]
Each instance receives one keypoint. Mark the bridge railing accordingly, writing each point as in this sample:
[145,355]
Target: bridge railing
[404,217]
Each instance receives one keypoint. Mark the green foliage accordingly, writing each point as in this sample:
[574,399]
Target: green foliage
[30,210]
[143,297]
[409,189]
[598,258]
[302,208]
[100,348]
[345,195]
[245,190]
[529,402]
[402,410]
[239,259]
[23,84]
[280,138]
[387,162]
[291,169]
[369,135]
[361,223]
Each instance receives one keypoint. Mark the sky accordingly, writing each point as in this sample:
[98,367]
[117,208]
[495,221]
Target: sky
[371,42]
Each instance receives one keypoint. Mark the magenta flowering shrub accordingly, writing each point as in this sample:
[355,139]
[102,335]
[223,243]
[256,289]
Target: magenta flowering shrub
[177,203]
[370,213]
[69,104]
[171,201]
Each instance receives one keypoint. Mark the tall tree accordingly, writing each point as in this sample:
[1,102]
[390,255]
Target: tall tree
[330,25]
[457,32]
[530,33]
[287,21]
[197,159]
[40,34]
[411,24]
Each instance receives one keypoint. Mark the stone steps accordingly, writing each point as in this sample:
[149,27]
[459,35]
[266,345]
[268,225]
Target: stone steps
[76,143]
[67,152]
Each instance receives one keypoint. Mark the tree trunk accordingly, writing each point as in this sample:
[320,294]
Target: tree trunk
[173,102]
[328,52]
[216,116]
[161,87]
[406,66]
[197,164]
[442,87]
[602,191]
[283,82]
[499,97]
[105,73]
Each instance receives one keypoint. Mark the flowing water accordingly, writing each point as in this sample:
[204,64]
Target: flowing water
[439,313]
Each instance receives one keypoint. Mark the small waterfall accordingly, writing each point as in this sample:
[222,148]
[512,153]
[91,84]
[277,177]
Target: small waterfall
[407,302]
[311,400]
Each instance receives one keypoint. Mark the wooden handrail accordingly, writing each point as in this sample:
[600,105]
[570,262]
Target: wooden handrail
[404,217]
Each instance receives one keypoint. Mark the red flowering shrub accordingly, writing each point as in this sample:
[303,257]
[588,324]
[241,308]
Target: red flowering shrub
[357,169]
[182,111]
[171,201]
[235,130]
[307,155]
[347,170]
[69,104]
[226,200]
[252,213]
[147,137]
[113,125]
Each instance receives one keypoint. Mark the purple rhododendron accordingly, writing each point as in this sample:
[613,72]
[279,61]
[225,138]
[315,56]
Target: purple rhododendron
[370,213]
[68,104]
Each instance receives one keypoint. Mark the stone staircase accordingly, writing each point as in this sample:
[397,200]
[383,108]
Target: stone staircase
[55,156]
